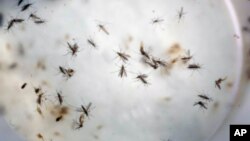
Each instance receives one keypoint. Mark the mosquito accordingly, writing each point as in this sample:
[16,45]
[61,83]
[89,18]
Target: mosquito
[34,16]
[123,56]
[59,118]
[194,66]
[219,81]
[152,64]
[80,122]
[159,62]
[205,97]
[60,98]
[201,104]
[19,2]
[62,70]
[39,98]
[101,27]
[26,6]
[39,21]
[70,72]
[37,90]
[157,20]
[188,57]
[73,48]
[14,21]
[181,14]
[142,78]
[122,71]
[91,42]
[143,52]
[67,72]
[23,86]
[86,110]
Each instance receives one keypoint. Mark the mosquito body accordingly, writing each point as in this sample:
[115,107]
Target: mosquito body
[79,123]
[159,62]
[205,97]
[181,14]
[102,28]
[143,52]
[23,86]
[194,66]
[157,20]
[59,118]
[122,72]
[26,6]
[87,109]
[13,22]
[34,17]
[19,2]
[201,104]
[142,78]
[37,90]
[67,72]
[187,58]
[92,43]
[40,98]
[123,56]
[152,64]
[219,81]
[73,48]
[39,21]
[60,98]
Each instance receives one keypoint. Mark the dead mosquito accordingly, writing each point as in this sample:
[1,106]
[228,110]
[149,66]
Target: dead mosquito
[39,21]
[23,86]
[86,110]
[34,16]
[201,104]
[157,20]
[219,81]
[159,62]
[152,63]
[101,27]
[181,14]
[19,2]
[62,70]
[60,98]
[91,42]
[187,57]
[80,121]
[142,78]
[67,72]
[59,118]
[14,21]
[143,52]
[122,72]
[70,72]
[40,98]
[123,56]
[205,97]
[37,90]
[26,6]
[73,48]
[194,66]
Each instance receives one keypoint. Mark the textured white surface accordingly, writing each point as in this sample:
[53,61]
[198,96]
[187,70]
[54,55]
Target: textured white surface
[129,105]
[240,114]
